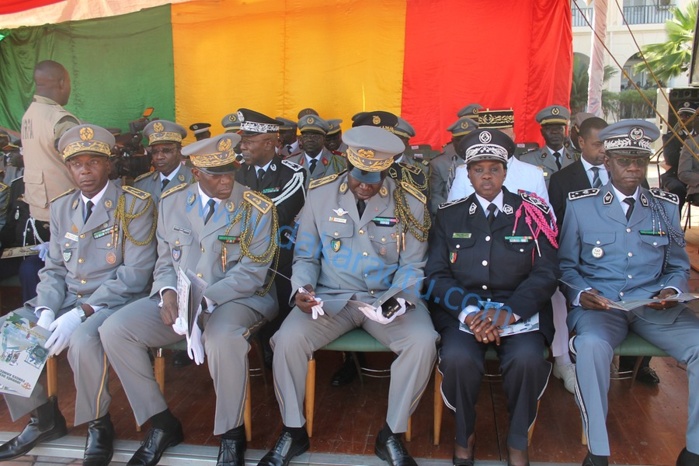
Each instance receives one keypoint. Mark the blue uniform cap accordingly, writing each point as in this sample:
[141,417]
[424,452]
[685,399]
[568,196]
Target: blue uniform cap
[629,137]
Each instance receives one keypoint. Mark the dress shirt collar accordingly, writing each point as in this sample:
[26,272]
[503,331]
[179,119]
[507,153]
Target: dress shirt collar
[96,198]
[205,198]
[498,201]
[265,167]
[172,175]
[621,196]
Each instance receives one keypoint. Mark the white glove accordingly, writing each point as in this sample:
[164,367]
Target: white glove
[195,348]
[180,327]
[43,249]
[62,329]
[46,318]
[317,310]
[376,313]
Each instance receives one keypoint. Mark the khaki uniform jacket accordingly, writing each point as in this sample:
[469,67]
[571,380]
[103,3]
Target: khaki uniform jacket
[328,164]
[150,182]
[543,158]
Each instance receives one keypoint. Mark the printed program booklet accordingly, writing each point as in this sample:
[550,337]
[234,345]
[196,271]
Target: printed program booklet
[23,355]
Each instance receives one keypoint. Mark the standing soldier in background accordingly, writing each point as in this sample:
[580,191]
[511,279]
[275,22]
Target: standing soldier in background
[288,142]
[314,157]
[333,139]
[201,130]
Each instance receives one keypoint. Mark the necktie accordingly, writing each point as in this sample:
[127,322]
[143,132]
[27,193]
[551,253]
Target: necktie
[288,148]
[210,212]
[557,155]
[361,205]
[492,208]
[630,201]
[596,180]
[88,210]
[164,183]
[312,165]
[452,174]
[260,174]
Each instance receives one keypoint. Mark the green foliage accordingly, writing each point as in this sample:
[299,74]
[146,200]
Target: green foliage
[578,91]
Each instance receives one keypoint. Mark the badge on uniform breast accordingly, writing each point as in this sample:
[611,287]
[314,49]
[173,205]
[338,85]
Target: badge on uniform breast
[273,167]
[108,204]
[176,253]
[340,212]
[343,188]
[191,198]
[111,258]
[335,244]
[271,190]
[67,254]
[452,257]
[472,208]
[74,229]
[230,206]
[507,208]
[75,204]
[180,177]
[383,192]
[597,252]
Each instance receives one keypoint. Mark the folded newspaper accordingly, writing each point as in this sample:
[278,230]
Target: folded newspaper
[635,303]
[530,324]
[23,355]
[190,291]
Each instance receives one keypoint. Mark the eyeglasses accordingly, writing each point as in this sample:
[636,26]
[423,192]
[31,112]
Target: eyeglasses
[163,150]
[640,162]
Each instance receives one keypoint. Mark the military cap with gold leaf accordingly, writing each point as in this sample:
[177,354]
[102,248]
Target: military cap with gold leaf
[161,131]
[470,111]
[496,119]
[199,128]
[214,155]
[553,115]
[286,124]
[334,126]
[380,119]
[313,124]
[231,122]
[370,150]
[404,129]
[86,139]
[462,126]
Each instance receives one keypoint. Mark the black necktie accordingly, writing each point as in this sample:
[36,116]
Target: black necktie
[492,208]
[596,180]
[361,205]
[288,148]
[88,210]
[630,201]
[557,155]
[164,183]
[260,174]
[312,165]
[210,212]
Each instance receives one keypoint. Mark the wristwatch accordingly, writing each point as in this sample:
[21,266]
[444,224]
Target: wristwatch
[81,313]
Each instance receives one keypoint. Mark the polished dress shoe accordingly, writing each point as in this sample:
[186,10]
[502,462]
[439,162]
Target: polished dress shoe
[231,452]
[687,458]
[284,450]
[346,374]
[393,452]
[181,359]
[99,446]
[647,376]
[462,461]
[45,423]
[155,443]
[594,460]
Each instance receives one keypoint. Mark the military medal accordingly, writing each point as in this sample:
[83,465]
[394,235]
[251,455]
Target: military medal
[228,239]
[71,236]
[597,252]
[335,244]
[384,221]
[337,220]
[271,190]
[176,253]
[111,258]
[452,257]
[652,233]
[67,254]
[518,239]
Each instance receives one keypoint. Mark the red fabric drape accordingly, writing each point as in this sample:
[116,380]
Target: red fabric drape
[14,6]
[509,53]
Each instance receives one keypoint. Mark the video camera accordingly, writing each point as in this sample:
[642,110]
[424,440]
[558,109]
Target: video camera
[131,157]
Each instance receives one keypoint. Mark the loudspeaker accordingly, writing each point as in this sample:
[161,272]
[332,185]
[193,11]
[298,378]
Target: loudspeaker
[678,97]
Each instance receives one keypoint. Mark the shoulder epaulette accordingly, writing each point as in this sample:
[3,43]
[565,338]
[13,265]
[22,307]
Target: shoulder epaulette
[324,180]
[572,196]
[294,166]
[3,187]
[664,195]
[142,176]
[63,194]
[535,201]
[142,195]
[444,205]
[259,201]
[414,191]
[411,168]
[174,189]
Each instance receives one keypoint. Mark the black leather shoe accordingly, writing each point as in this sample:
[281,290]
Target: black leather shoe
[284,450]
[594,460]
[647,376]
[345,374]
[393,451]
[231,452]
[155,443]
[99,446]
[181,359]
[687,458]
[46,423]
[462,461]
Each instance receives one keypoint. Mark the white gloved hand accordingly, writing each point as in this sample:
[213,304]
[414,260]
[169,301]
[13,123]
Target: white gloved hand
[317,310]
[62,329]
[376,313]
[46,318]
[180,326]
[43,249]
[195,347]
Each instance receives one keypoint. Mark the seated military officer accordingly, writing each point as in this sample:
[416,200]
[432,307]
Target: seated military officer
[358,262]
[224,233]
[100,257]
[492,268]
[165,146]
[622,242]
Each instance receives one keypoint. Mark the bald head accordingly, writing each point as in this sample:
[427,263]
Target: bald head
[52,81]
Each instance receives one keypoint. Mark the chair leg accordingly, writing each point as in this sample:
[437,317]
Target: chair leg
[409,431]
[310,395]
[52,376]
[583,438]
[357,366]
[636,367]
[247,416]
[260,357]
[530,434]
[438,406]
[159,369]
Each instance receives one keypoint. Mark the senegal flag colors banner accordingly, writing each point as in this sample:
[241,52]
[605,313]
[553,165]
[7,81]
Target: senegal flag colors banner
[200,60]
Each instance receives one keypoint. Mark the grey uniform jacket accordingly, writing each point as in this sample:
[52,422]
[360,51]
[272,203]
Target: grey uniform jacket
[328,164]
[84,265]
[344,257]
[150,182]
[184,241]
[543,158]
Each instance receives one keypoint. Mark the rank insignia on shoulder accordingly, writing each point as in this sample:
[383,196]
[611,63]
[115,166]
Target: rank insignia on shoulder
[536,201]
[3,187]
[63,194]
[136,192]
[143,176]
[583,193]
[444,205]
[174,189]
[259,201]
[322,181]
[411,168]
[660,194]
[409,187]
[294,166]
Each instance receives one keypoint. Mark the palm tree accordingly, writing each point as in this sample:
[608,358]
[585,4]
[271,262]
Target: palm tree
[578,91]
[673,57]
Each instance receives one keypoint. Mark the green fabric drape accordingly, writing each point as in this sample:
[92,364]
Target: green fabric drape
[118,66]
